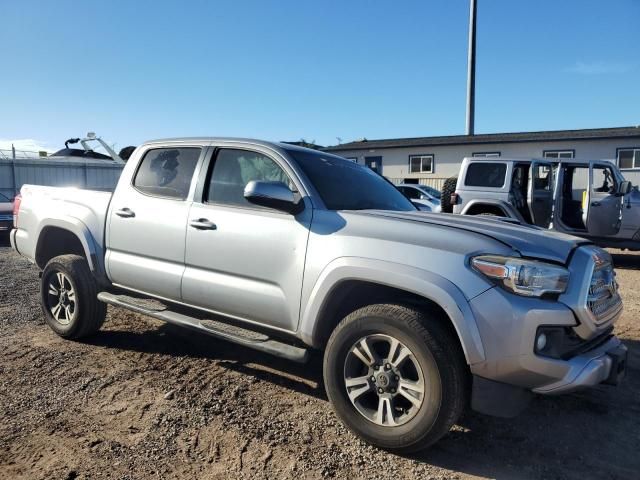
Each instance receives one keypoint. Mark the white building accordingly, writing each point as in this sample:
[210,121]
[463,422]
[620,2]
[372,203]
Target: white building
[430,160]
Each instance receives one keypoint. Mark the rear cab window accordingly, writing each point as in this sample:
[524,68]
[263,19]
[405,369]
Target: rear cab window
[486,174]
[167,172]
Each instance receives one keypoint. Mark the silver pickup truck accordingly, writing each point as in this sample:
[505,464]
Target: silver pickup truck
[284,249]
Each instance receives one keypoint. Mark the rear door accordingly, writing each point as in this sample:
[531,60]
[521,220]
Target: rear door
[540,193]
[242,260]
[148,221]
[604,205]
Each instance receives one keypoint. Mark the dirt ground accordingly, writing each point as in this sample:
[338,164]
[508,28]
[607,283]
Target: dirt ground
[145,400]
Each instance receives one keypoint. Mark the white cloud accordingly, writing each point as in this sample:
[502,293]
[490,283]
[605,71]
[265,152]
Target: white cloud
[598,68]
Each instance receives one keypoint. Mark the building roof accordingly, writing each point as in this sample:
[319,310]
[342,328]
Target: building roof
[519,137]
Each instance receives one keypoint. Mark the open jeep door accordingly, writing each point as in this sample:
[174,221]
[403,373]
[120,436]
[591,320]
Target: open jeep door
[603,202]
[540,193]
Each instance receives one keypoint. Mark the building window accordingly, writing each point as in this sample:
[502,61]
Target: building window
[628,158]
[420,163]
[352,159]
[559,153]
[486,154]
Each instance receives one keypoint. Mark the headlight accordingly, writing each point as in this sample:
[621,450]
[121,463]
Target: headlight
[530,278]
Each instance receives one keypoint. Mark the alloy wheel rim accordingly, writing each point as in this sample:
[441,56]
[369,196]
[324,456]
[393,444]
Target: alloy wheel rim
[61,298]
[384,381]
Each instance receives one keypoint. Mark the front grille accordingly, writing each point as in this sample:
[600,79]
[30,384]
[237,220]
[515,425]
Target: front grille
[604,299]
[6,217]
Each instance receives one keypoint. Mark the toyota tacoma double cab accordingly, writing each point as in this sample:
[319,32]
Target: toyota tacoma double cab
[284,249]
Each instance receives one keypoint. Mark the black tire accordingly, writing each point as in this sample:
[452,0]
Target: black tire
[86,314]
[436,351]
[448,188]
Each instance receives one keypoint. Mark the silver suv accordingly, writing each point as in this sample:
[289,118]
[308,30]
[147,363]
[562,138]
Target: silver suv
[588,198]
[423,197]
[283,249]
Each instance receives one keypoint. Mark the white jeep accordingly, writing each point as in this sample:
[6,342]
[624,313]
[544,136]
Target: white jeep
[587,198]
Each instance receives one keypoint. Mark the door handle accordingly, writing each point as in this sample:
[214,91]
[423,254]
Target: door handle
[595,204]
[125,213]
[203,224]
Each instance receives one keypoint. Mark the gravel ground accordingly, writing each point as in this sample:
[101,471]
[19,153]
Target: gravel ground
[146,400]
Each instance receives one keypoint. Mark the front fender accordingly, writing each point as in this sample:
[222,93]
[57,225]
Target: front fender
[417,281]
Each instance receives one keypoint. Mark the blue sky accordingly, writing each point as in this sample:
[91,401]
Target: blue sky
[285,70]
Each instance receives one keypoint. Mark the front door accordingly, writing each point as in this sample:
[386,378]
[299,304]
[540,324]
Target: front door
[540,193]
[242,260]
[604,205]
[374,163]
[147,223]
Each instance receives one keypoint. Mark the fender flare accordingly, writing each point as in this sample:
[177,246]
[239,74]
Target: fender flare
[424,283]
[508,209]
[83,234]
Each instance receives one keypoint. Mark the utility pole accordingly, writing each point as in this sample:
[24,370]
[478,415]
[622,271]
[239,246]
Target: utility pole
[471,70]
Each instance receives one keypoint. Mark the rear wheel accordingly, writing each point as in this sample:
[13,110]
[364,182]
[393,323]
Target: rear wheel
[395,377]
[68,295]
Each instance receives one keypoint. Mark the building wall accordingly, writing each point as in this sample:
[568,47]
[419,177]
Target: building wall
[57,173]
[447,159]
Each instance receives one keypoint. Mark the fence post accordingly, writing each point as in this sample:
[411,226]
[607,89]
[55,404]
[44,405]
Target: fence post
[13,176]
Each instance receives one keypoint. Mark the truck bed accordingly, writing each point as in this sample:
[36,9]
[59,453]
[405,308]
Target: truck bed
[44,207]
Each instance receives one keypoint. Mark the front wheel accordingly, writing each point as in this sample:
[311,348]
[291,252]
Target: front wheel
[68,294]
[395,376]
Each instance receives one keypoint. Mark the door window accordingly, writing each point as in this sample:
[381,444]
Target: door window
[542,178]
[167,172]
[234,169]
[411,193]
[603,180]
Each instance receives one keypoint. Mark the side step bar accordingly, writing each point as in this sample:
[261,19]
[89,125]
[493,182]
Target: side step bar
[231,333]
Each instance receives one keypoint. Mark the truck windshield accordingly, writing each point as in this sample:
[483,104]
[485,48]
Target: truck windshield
[345,185]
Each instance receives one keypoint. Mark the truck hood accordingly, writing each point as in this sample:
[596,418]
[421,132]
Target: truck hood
[527,240]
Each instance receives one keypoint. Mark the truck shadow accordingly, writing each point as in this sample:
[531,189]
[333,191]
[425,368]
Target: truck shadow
[4,239]
[175,341]
[588,434]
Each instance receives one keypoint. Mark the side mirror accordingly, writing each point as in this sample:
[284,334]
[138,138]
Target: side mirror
[624,188]
[275,195]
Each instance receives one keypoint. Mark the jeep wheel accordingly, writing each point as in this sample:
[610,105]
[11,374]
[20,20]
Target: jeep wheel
[395,377]
[448,188]
[68,296]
